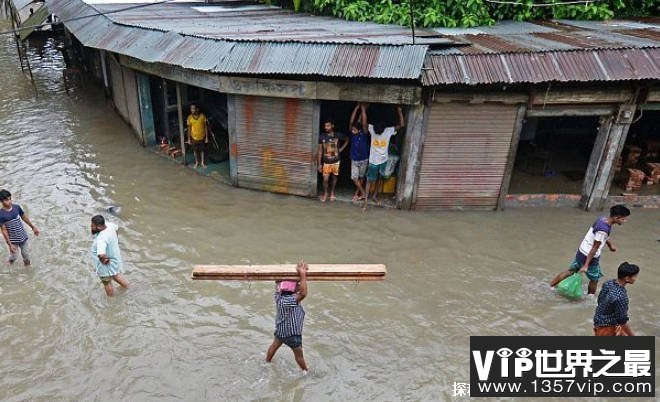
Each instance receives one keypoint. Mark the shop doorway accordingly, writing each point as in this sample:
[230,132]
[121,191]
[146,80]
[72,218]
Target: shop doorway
[635,172]
[553,154]
[339,112]
[166,121]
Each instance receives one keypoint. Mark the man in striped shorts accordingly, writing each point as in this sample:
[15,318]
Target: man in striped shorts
[11,224]
[290,316]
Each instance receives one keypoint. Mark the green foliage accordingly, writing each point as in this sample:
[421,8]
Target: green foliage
[468,13]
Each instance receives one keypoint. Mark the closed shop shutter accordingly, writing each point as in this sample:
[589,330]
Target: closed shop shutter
[464,155]
[118,94]
[275,143]
[132,102]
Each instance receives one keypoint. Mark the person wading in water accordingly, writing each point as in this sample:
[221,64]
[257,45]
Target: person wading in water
[106,255]
[290,316]
[11,224]
[611,316]
[587,257]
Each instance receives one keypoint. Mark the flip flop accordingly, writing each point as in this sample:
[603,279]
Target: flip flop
[333,198]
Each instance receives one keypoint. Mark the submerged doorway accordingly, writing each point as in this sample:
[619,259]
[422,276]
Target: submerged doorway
[339,113]
[553,154]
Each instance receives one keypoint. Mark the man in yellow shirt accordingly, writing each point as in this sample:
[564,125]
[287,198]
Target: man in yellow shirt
[198,133]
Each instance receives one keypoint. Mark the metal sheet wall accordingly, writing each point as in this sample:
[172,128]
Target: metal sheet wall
[464,155]
[275,143]
[117,82]
[132,102]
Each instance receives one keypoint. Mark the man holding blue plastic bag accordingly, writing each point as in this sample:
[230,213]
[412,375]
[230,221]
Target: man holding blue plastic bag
[587,257]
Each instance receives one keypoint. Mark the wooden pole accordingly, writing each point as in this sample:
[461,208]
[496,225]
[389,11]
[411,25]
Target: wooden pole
[13,19]
[179,108]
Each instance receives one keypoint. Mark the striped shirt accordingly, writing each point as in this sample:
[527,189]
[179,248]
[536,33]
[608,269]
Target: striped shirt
[12,221]
[289,316]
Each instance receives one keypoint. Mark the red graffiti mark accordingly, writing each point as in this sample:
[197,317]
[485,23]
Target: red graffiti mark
[234,149]
[291,107]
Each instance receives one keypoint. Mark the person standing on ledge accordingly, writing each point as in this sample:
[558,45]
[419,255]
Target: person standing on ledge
[106,255]
[611,316]
[290,316]
[198,134]
[329,156]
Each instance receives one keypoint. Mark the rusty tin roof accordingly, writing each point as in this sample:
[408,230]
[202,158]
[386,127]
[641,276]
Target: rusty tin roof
[235,38]
[562,51]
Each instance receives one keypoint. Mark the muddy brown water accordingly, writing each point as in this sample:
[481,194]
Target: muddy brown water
[451,275]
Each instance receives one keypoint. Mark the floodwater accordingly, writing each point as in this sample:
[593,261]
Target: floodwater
[451,275]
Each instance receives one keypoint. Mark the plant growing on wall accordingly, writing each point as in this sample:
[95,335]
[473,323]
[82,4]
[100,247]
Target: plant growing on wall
[470,13]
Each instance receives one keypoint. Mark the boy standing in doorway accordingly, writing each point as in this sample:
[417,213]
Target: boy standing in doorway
[106,255]
[328,159]
[11,224]
[290,316]
[587,257]
[198,133]
[380,142]
[359,155]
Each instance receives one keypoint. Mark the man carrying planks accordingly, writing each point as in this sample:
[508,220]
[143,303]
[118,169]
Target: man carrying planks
[290,316]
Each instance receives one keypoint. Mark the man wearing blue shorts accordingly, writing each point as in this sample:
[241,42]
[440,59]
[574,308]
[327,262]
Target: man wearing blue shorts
[380,143]
[587,257]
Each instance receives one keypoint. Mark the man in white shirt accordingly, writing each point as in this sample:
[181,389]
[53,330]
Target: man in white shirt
[587,257]
[380,142]
[106,254]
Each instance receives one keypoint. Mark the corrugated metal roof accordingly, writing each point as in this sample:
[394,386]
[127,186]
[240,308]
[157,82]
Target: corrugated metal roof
[251,21]
[180,47]
[562,66]
[235,38]
[554,35]
[545,51]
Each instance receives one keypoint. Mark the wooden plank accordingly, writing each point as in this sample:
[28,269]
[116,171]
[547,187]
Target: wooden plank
[589,95]
[374,93]
[604,127]
[603,180]
[480,97]
[511,159]
[316,272]
[578,110]
[269,87]
[654,95]
[411,156]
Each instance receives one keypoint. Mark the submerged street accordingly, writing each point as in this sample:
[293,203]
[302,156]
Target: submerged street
[450,275]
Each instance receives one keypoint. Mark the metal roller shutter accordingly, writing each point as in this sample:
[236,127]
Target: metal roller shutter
[464,155]
[118,94]
[275,144]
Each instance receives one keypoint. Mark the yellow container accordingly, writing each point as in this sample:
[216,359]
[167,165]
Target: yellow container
[389,185]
